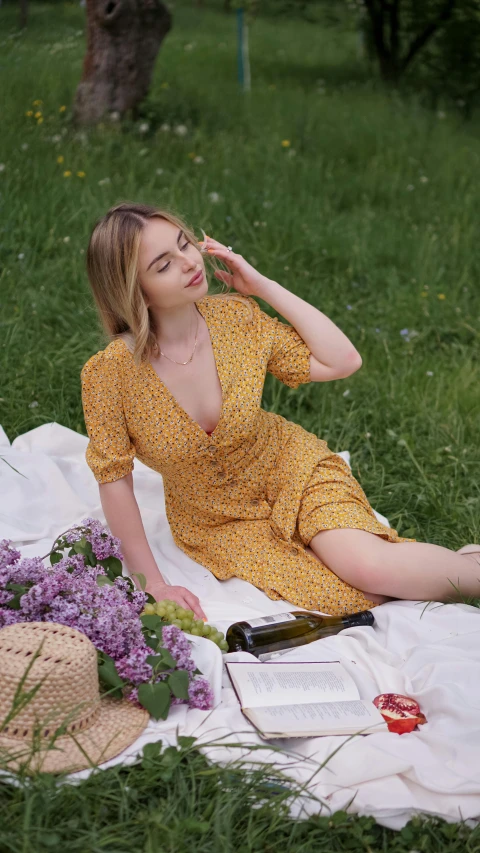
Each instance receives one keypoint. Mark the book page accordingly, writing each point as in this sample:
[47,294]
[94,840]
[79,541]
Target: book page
[318,718]
[263,684]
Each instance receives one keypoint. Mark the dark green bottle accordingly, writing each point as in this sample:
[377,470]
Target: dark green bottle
[269,635]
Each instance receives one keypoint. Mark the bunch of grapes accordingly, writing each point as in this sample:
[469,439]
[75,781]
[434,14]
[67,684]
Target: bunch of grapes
[171,612]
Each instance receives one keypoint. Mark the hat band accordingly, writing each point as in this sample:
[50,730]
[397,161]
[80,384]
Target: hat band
[22,732]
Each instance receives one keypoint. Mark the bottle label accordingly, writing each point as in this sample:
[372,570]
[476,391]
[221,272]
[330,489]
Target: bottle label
[270,620]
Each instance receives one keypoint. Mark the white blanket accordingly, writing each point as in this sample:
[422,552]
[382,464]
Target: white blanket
[431,653]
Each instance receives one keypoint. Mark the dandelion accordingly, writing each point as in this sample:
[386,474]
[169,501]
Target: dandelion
[56,137]
[410,188]
[286,268]
[24,147]
[286,143]
[60,158]
[37,103]
[272,86]
[159,171]
[143,152]
[214,197]
[198,160]
[29,113]
[39,120]
[62,109]
[429,373]
[424,293]
[191,155]
[2,167]
[441,296]
[368,435]
[38,114]
[66,239]
[143,127]
[165,127]
[165,85]
[21,256]
[67,174]
[181,130]
[423,179]
[114,115]
[188,46]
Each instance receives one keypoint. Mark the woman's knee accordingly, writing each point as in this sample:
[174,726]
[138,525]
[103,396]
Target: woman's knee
[354,555]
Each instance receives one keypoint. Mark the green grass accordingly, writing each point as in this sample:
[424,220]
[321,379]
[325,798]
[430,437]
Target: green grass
[373,219]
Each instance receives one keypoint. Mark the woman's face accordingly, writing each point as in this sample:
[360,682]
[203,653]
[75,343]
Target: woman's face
[166,264]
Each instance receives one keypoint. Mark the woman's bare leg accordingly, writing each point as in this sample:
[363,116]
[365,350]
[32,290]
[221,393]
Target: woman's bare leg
[410,570]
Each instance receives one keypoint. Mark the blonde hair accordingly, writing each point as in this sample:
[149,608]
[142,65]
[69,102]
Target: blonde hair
[112,267]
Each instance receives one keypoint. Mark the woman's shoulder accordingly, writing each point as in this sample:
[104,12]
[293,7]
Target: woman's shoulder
[106,360]
[233,307]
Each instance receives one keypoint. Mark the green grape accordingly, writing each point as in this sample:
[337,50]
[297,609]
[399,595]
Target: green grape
[160,610]
[186,625]
[189,614]
[223,645]
[181,613]
[149,610]
[199,623]
[177,623]
[195,632]
[207,630]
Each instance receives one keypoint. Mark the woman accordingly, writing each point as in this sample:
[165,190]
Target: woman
[247,493]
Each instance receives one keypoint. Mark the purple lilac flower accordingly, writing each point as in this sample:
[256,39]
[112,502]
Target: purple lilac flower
[134,667]
[175,641]
[8,555]
[200,694]
[103,543]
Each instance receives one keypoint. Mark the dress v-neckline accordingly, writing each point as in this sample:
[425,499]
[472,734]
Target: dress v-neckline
[174,399]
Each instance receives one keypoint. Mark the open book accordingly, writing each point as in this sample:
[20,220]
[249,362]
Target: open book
[302,699]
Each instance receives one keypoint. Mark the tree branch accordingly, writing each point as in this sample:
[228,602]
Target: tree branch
[422,39]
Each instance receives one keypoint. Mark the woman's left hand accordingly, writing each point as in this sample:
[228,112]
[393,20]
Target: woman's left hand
[242,276]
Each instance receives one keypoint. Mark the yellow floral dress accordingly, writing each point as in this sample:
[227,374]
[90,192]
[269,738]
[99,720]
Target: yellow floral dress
[245,500]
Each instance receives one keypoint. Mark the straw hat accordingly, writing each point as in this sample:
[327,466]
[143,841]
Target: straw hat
[65,671]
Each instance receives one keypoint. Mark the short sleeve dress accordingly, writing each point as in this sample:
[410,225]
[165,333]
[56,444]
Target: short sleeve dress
[246,499]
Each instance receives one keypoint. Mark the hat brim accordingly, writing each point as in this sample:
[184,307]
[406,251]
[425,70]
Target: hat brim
[118,724]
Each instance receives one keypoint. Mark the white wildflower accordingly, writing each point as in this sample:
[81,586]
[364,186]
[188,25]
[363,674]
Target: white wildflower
[66,239]
[159,171]
[291,152]
[56,137]
[24,147]
[165,127]
[410,188]
[214,197]
[423,179]
[181,129]
[346,393]
[103,181]
[268,204]
[429,372]
[2,167]
[441,114]
[33,405]
[198,159]
[143,127]
[21,256]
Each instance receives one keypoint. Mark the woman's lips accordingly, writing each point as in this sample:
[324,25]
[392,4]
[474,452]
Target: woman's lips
[198,278]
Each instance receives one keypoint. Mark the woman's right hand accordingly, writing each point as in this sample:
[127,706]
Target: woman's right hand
[181,596]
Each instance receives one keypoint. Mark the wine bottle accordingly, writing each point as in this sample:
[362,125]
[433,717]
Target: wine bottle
[269,635]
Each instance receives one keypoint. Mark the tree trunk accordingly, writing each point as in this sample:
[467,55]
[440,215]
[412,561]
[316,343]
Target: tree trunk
[23,13]
[123,39]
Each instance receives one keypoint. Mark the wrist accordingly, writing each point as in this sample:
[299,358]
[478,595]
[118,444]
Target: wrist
[266,289]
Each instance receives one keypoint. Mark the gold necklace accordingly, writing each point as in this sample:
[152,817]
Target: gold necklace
[180,362]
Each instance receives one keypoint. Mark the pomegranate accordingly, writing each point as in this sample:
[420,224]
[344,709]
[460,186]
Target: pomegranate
[401,713]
